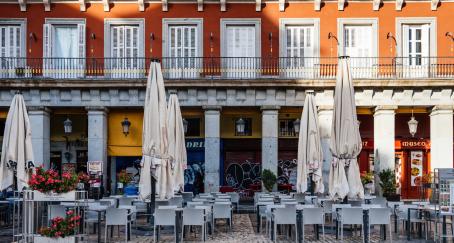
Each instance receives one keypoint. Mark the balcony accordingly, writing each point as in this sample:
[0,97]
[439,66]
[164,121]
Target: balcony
[226,68]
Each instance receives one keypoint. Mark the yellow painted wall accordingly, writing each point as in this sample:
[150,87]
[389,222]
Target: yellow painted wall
[57,130]
[3,114]
[117,143]
[229,116]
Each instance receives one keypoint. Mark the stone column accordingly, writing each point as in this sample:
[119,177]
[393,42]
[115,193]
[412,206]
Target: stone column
[97,137]
[325,117]
[270,137]
[40,126]
[384,137]
[441,137]
[212,147]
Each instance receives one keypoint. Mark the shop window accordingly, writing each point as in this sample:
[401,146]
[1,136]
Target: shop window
[193,127]
[286,128]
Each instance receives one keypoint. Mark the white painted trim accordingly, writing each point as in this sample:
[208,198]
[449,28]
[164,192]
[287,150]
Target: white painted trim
[242,21]
[432,21]
[298,21]
[108,22]
[182,21]
[341,22]
[57,21]
[23,31]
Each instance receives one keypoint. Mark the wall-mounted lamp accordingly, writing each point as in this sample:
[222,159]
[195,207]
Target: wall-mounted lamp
[332,36]
[392,43]
[151,42]
[450,35]
[296,126]
[412,125]
[240,126]
[68,125]
[270,38]
[32,37]
[125,124]
[211,43]
[93,36]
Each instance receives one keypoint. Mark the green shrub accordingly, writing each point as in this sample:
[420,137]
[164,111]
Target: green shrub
[269,179]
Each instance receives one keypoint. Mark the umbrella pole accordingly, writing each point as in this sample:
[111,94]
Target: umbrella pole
[152,199]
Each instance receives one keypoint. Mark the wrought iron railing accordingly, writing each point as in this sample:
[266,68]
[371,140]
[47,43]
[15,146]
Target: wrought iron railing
[227,68]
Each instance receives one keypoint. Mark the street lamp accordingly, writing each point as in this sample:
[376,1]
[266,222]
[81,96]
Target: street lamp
[412,125]
[185,126]
[68,125]
[125,124]
[240,126]
[296,126]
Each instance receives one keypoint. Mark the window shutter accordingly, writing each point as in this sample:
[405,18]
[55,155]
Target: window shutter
[47,41]
[81,42]
[406,40]
[425,41]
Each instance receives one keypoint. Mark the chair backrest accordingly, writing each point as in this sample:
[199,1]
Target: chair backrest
[309,199]
[192,204]
[199,199]
[164,216]
[56,211]
[421,203]
[299,197]
[394,206]
[304,206]
[222,211]
[327,206]
[294,203]
[177,201]
[403,211]
[379,216]
[283,196]
[141,207]
[313,216]
[334,207]
[193,216]
[371,206]
[125,201]
[116,216]
[187,196]
[351,215]
[379,200]
[234,197]
[285,215]
[108,201]
[356,203]
[161,203]
[263,206]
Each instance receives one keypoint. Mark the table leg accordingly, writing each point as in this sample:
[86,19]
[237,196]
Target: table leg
[317,234]
[272,228]
[366,225]
[395,219]
[99,227]
[129,231]
[444,229]
[299,225]
[178,226]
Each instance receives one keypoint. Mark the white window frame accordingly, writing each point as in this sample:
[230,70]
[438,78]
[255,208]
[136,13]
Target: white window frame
[342,22]
[109,22]
[166,22]
[22,22]
[283,22]
[256,22]
[431,21]
[67,21]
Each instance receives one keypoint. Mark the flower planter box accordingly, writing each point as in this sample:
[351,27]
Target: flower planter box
[52,196]
[43,239]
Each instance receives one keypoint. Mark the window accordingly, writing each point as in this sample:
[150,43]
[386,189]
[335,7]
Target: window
[12,47]
[124,48]
[415,44]
[358,39]
[64,48]
[240,47]
[286,128]
[299,49]
[182,51]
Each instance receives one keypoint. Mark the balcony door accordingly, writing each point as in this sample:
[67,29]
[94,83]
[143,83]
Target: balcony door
[64,49]
[416,46]
[182,61]
[358,45]
[11,51]
[300,60]
[241,59]
[124,61]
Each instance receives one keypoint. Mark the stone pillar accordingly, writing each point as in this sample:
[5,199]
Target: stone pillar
[212,147]
[97,137]
[325,117]
[40,126]
[441,137]
[270,137]
[384,137]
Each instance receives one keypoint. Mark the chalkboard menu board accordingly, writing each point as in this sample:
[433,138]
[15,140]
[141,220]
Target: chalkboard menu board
[446,190]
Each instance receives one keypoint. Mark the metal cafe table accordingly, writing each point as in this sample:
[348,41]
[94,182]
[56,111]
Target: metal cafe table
[99,209]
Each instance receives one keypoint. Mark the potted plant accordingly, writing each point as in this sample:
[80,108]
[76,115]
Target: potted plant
[388,184]
[123,179]
[48,186]
[268,179]
[367,179]
[60,230]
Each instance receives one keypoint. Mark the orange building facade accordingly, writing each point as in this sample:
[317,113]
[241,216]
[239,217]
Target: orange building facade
[232,63]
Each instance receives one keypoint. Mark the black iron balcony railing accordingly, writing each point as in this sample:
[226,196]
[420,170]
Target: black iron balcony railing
[227,68]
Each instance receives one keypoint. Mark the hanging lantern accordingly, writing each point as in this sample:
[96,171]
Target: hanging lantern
[412,125]
[296,126]
[125,124]
[68,125]
[185,126]
[240,126]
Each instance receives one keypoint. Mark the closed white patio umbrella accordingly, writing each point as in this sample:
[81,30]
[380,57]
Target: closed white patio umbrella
[177,145]
[310,155]
[345,143]
[17,151]
[155,160]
